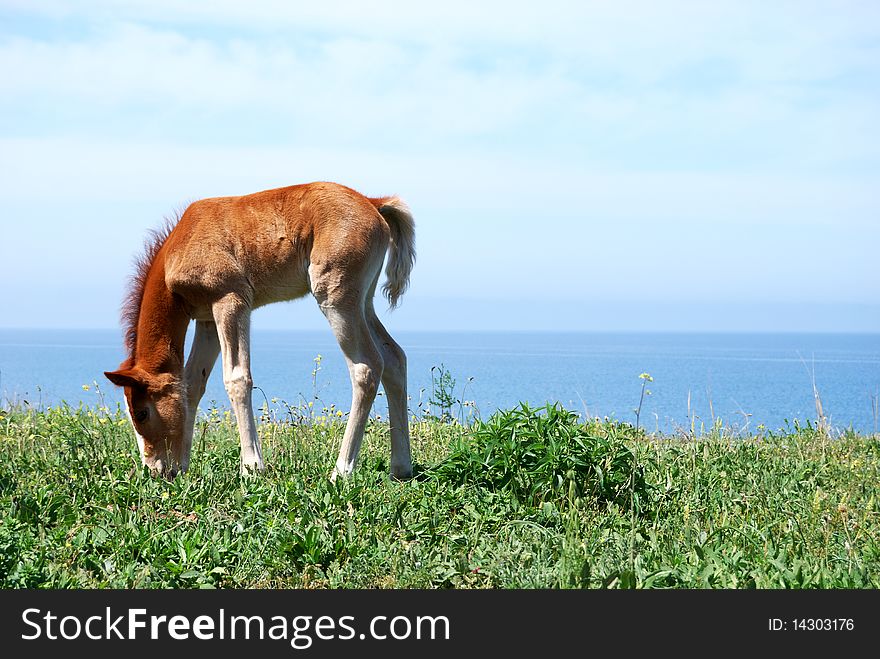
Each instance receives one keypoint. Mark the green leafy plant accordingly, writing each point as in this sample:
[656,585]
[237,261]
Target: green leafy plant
[442,394]
[534,453]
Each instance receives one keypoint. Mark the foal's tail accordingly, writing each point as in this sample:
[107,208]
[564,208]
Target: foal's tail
[402,253]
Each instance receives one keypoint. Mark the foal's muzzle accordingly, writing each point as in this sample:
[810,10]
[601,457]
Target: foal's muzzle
[166,470]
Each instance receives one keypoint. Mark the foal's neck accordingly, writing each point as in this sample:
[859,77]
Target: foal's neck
[161,325]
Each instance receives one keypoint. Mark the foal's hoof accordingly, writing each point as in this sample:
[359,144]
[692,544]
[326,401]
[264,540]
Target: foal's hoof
[401,473]
[252,468]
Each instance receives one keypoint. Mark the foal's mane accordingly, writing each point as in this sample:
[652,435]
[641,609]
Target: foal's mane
[131,305]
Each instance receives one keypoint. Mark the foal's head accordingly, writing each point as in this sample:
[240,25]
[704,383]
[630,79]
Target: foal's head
[156,407]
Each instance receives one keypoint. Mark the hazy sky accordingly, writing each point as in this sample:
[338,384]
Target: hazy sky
[571,165]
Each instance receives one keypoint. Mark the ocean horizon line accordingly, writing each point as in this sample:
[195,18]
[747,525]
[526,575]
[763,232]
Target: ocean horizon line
[642,331]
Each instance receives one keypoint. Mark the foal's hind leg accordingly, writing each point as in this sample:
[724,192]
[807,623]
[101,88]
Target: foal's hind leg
[394,382]
[232,315]
[345,313]
[365,371]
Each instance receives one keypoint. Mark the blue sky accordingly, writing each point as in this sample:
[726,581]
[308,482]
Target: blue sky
[571,166]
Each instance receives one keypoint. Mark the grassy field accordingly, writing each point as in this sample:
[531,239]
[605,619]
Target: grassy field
[526,499]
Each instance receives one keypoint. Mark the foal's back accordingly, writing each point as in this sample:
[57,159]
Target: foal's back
[260,246]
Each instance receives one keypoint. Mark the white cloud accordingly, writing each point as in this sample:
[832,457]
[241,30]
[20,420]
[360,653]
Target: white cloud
[341,90]
[559,150]
[620,85]
[776,38]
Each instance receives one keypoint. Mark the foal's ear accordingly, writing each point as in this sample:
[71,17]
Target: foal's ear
[127,377]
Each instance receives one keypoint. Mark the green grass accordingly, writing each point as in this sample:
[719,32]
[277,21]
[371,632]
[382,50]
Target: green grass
[528,499]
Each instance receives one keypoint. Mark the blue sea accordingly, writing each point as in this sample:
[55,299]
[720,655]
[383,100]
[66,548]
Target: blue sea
[745,380]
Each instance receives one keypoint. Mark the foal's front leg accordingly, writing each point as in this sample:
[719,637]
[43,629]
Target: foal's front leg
[202,355]
[232,315]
